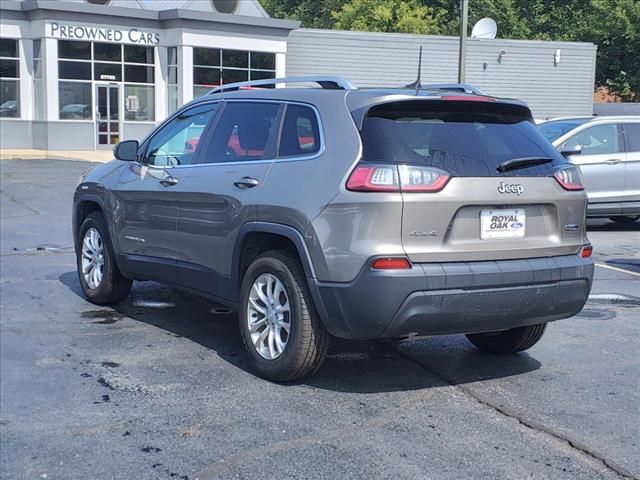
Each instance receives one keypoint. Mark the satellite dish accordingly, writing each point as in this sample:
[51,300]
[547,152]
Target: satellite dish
[485,28]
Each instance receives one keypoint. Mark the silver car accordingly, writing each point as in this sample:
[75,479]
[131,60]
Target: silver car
[607,150]
[336,211]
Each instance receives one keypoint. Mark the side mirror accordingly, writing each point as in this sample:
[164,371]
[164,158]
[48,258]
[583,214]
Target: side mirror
[568,151]
[126,151]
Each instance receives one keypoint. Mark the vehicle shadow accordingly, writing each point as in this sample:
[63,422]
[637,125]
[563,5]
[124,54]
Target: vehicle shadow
[606,225]
[631,264]
[351,366]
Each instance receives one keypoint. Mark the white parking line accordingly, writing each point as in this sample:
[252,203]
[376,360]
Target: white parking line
[617,269]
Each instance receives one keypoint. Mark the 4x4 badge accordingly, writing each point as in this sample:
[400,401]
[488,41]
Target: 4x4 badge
[510,188]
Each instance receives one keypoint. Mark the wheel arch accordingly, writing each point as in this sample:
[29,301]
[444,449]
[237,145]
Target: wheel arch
[255,238]
[84,205]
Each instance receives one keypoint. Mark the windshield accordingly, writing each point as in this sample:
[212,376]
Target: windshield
[555,129]
[463,138]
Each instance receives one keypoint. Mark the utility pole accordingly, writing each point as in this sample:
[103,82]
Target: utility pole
[462,56]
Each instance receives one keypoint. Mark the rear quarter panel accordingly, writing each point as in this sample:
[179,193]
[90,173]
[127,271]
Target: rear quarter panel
[297,191]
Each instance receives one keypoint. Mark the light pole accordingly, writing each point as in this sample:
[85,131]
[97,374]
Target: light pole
[462,56]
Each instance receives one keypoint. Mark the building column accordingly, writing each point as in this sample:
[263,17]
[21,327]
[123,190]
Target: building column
[49,55]
[185,74]
[161,91]
[281,70]
[25,54]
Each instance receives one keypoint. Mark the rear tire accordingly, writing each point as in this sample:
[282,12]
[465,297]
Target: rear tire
[96,252]
[622,220]
[299,342]
[508,341]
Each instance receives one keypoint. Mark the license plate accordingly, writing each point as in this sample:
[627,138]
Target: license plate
[502,224]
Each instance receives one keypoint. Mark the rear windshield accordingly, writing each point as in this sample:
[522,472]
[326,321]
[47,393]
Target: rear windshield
[463,138]
[557,128]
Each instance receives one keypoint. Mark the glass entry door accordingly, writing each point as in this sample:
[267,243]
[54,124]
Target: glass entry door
[107,115]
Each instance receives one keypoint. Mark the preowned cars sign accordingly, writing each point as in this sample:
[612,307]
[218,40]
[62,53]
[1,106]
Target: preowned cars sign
[83,32]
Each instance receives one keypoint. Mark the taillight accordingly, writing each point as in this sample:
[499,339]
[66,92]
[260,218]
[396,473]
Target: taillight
[386,177]
[374,178]
[586,251]
[569,177]
[391,263]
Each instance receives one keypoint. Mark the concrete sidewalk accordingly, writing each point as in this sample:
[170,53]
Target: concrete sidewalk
[101,156]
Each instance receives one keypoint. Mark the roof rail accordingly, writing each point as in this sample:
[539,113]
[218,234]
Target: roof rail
[453,87]
[330,82]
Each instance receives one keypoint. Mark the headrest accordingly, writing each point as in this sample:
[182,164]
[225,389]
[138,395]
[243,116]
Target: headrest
[254,135]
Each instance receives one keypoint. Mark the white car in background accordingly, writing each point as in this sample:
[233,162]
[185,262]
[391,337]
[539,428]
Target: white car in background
[607,150]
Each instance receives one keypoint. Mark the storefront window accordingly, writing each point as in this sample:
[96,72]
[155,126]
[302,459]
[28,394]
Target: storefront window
[107,71]
[75,101]
[74,70]
[139,74]
[110,52]
[138,54]
[235,58]
[74,50]
[88,62]
[139,103]
[213,67]
[263,61]
[9,78]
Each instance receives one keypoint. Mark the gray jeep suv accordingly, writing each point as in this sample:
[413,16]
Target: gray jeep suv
[362,214]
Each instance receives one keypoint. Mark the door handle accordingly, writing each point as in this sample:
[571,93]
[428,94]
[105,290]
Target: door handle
[169,182]
[246,182]
[612,161]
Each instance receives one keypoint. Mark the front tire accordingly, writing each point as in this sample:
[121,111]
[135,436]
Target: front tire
[508,341]
[281,331]
[101,281]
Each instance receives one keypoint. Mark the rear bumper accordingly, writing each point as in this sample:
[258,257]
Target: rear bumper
[460,297]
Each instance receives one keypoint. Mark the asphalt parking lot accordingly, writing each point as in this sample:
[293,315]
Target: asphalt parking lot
[157,387]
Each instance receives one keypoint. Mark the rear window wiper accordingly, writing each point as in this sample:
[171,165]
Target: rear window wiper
[522,162]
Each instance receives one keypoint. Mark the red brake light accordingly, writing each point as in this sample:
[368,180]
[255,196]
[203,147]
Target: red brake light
[468,98]
[586,251]
[569,178]
[391,178]
[374,178]
[391,263]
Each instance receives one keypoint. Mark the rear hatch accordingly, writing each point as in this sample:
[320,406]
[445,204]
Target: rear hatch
[478,180]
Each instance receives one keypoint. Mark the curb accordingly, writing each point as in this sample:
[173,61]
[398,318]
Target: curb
[614,299]
[100,156]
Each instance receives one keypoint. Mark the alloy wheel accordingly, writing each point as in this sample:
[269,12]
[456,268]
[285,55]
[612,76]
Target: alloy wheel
[92,258]
[269,316]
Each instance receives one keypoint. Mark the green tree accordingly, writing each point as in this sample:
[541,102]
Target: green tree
[613,25]
[404,16]
[312,13]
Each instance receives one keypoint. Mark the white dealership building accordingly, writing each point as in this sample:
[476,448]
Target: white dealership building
[85,74]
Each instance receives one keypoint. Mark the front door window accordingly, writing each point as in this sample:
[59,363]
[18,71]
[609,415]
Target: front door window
[108,114]
[176,144]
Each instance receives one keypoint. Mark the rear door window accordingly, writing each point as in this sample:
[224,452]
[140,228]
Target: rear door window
[300,132]
[245,132]
[632,134]
[596,140]
[463,138]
